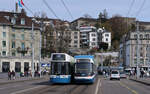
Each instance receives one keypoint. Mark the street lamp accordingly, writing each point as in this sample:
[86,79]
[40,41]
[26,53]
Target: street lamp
[41,29]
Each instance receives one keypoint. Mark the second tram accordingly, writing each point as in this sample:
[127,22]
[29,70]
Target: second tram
[84,69]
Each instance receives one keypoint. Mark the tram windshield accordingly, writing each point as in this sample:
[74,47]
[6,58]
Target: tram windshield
[83,68]
[60,68]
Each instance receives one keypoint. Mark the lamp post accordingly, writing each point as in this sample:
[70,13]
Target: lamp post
[40,46]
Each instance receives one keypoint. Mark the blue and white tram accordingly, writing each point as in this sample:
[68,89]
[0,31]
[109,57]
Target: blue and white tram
[84,69]
[61,65]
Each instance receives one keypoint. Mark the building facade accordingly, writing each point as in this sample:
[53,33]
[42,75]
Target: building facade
[75,39]
[128,50]
[104,36]
[88,37]
[16,42]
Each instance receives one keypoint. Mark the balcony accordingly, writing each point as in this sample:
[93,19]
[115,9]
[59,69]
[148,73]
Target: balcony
[22,50]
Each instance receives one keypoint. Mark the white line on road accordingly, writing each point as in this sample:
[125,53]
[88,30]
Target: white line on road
[25,90]
[97,86]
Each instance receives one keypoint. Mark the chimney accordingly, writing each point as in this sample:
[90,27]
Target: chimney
[16,7]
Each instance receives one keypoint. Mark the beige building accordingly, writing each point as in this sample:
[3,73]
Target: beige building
[128,50]
[75,39]
[76,24]
[16,42]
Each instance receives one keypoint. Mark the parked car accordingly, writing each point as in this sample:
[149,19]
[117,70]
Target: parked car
[115,75]
[123,75]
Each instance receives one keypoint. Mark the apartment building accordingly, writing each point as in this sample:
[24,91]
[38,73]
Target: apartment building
[88,37]
[128,50]
[76,24]
[104,36]
[16,42]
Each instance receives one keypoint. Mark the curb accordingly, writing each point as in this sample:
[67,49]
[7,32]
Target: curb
[13,81]
[142,82]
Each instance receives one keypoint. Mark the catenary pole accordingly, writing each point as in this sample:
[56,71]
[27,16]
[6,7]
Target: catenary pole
[138,52]
[32,64]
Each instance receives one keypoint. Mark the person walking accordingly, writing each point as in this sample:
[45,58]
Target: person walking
[9,75]
[13,74]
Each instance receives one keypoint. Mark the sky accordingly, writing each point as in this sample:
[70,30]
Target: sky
[80,7]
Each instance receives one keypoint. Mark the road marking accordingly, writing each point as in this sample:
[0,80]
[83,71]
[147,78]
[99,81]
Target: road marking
[25,90]
[123,85]
[97,86]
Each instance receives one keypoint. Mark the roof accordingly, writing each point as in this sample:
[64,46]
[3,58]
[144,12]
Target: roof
[4,20]
[144,23]
[5,17]
[87,19]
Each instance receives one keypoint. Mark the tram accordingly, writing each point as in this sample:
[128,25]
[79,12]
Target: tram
[84,69]
[61,68]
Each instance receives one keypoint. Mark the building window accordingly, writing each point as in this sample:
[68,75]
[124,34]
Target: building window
[106,39]
[75,45]
[5,66]
[17,66]
[13,30]
[4,26]
[13,20]
[13,44]
[106,35]
[22,45]
[4,34]
[93,35]
[147,36]
[4,43]
[75,41]
[93,39]
[4,53]
[141,36]
[93,43]
[75,37]
[75,33]
[22,21]
[22,36]
[13,36]
[13,54]
[135,36]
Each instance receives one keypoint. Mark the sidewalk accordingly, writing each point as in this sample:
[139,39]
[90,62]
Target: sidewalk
[4,78]
[144,80]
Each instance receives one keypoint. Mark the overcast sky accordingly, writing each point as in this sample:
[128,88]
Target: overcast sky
[80,7]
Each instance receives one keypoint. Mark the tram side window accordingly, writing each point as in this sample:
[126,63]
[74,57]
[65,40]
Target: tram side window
[58,57]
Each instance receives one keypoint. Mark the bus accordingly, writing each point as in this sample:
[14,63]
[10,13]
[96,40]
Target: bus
[61,68]
[84,69]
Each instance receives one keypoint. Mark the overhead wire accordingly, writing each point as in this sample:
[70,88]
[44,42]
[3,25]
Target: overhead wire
[128,13]
[140,9]
[66,8]
[130,8]
[48,6]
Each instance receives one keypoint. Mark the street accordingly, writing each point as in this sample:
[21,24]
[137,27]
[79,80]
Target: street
[101,86]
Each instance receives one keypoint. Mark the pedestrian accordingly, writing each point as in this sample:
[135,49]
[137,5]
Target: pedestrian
[13,74]
[142,73]
[9,75]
